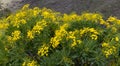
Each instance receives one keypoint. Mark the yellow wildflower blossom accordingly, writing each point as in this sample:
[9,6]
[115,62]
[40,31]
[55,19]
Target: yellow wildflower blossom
[114,29]
[112,19]
[116,39]
[37,28]
[108,49]
[43,51]
[71,36]
[55,41]
[46,14]
[30,34]
[23,21]
[94,37]
[9,38]
[70,17]
[25,6]
[91,17]
[20,15]
[16,35]
[36,11]
[59,34]
[74,43]
[89,30]
[31,63]
[105,44]
[79,41]
[4,25]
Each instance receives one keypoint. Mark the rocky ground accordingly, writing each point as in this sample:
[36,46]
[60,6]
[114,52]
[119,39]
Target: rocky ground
[106,7]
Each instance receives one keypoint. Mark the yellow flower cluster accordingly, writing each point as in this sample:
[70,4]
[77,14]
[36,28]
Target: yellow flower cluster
[36,29]
[92,31]
[31,63]
[116,39]
[49,14]
[39,26]
[25,7]
[59,34]
[108,49]
[36,11]
[114,29]
[71,17]
[113,19]
[23,15]
[43,51]
[15,36]
[91,17]
[71,35]
[3,26]
[105,23]
[30,34]
[18,19]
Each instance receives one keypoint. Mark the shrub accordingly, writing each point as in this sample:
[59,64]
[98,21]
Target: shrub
[42,37]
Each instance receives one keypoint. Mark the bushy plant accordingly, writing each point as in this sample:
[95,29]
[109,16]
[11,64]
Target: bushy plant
[42,37]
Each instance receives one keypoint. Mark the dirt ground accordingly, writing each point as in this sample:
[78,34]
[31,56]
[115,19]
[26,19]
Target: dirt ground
[105,7]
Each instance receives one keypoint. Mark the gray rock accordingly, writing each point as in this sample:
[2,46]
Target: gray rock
[106,7]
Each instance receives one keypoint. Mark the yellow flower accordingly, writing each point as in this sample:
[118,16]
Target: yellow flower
[46,14]
[25,6]
[92,30]
[70,17]
[91,17]
[79,41]
[3,25]
[43,51]
[112,19]
[23,21]
[36,11]
[20,15]
[37,28]
[31,63]
[55,41]
[24,64]
[9,38]
[114,29]
[87,30]
[102,21]
[116,39]
[30,34]
[108,49]
[74,43]
[105,44]
[16,35]
[59,34]
[94,37]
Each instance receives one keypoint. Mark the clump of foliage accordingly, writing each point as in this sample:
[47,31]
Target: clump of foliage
[42,37]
